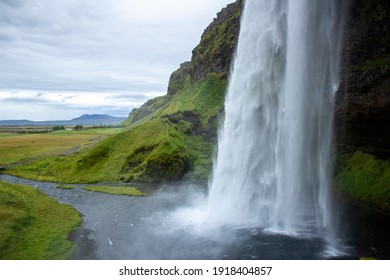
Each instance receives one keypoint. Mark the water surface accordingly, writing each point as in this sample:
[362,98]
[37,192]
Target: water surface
[124,227]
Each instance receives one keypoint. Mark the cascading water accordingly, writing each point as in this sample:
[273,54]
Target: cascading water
[273,166]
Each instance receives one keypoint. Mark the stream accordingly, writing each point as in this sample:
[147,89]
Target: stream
[124,227]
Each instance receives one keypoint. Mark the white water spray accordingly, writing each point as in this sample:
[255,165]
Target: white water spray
[273,167]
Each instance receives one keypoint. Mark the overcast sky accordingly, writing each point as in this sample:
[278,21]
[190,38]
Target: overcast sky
[60,59]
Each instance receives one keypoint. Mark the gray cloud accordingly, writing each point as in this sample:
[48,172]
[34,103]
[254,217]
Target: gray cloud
[129,96]
[69,97]
[22,100]
[98,45]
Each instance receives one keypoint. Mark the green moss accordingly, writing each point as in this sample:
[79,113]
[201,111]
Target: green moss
[146,109]
[366,179]
[202,155]
[185,126]
[94,156]
[218,42]
[33,225]
[372,64]
[131,191]
[204,98]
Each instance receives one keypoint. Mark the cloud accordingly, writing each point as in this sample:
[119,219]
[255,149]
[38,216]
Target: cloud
[133,96]
[101,46]
[23,100]
[70,97]
[60,105]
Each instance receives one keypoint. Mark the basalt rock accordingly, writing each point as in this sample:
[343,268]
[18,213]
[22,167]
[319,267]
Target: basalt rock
[362,109]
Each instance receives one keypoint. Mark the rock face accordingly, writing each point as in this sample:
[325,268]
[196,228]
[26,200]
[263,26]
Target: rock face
[362,113]
[362,109]
[177,79]
[215,50]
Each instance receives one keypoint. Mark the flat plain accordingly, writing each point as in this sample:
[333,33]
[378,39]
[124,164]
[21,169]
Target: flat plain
[19,147]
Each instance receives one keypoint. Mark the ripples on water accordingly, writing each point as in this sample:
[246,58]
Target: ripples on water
[166,225]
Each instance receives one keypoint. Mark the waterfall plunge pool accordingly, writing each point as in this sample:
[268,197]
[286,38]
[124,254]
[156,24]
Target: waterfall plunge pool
[163,225]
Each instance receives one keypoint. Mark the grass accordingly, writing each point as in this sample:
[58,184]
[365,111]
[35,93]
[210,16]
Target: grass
[204,98]
[34,226]
[366,179]
[19,147]
[130,191]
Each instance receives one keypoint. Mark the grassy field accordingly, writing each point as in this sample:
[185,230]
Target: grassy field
[20,147]
[33,225]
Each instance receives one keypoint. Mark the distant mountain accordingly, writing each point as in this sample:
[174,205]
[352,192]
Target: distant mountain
[94,119]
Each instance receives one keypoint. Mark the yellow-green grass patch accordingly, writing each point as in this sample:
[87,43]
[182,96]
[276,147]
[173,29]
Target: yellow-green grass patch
[19,147]
[116,190]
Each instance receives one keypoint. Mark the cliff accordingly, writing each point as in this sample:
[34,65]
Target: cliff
[213,55]
[362,109]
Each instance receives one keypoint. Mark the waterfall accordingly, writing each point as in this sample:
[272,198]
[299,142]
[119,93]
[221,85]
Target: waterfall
[273,166]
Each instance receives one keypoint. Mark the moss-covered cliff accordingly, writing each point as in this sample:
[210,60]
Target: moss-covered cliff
[362,113]
[363,101]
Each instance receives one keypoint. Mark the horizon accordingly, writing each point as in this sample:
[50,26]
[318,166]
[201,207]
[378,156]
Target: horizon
[76,117]
[71,62]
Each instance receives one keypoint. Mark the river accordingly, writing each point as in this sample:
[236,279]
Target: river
[124,227]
